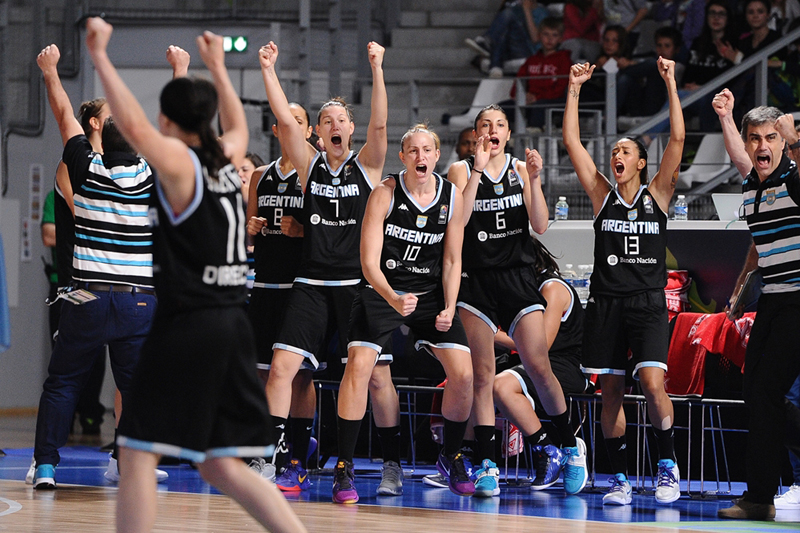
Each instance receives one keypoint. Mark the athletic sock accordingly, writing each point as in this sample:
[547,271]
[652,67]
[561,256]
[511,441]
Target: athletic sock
[390,443]
[300,432]
[564,428]
[540,438]
[666,443]
[348,436]
[453,435]
[485,440]
[618,454]
[281,455]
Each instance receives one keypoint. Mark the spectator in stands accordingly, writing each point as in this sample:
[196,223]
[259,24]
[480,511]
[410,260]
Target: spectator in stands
[548,61]
[642,77]
[706,63]
[782,13]
[614,45]
[581,30]
[757,37]
[694,22]
[512,36]
[465,147]
[628,14]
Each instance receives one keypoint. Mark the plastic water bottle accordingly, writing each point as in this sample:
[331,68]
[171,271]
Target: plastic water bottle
[581,287]
[569,274]
[562,208]
[681,208]
[587,278]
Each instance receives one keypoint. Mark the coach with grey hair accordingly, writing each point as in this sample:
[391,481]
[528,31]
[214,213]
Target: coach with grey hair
[771,197]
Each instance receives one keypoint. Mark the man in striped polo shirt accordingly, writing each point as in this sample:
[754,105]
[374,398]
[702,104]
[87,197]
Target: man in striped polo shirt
[771,198]
[112,260]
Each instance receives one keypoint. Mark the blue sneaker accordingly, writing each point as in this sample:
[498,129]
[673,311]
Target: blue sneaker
[487,480]
[575,473]
[294,478]
[669,481]
[620,492]
[45,477]
[548,461]
[454,469]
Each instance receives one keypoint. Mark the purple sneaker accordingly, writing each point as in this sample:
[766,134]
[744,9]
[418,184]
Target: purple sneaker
[344,488]
[453,468]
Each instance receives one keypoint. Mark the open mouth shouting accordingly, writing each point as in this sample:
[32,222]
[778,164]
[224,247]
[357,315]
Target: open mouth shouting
[336,140]
[763,160]
[619,169]
[422,169]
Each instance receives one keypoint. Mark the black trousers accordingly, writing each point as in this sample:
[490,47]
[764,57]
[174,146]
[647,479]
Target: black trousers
[772,364]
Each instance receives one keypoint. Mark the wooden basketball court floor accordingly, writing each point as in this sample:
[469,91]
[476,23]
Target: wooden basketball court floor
[84,502]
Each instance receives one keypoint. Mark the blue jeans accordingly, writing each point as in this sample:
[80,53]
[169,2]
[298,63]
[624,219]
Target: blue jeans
[120,320]
[794,397]
[509,37]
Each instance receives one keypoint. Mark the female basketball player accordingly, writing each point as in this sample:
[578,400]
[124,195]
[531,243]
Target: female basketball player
[274,219]
[197,365]
[627,308]
[337,184]
[514,392]
[411,258]
[502,196]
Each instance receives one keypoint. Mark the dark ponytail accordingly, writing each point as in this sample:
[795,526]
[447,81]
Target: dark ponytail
[191,103]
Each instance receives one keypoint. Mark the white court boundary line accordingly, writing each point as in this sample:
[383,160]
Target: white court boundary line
[13,506]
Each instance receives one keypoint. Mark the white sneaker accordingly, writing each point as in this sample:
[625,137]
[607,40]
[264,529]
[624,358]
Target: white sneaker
[112,472]
[264,469]
[668,488]
[789,499]
[495,72]
[620,492]
[31,472]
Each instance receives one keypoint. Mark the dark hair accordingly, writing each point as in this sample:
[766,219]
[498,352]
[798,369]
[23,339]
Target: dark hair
[669,32]
[705,42]
[553,23]
[490,107]
[113,141]
[308,117]
[622,35]
[544,261]
[255,159]
[767,5]
[640,147]
[191,103]
[88,111]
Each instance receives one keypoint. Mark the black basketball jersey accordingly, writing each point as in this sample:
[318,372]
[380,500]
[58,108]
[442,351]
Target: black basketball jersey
[335,200]
[497,233]
[277,257]
[565,353]
[65,237]
[413,237]
[200,259]
[630,246]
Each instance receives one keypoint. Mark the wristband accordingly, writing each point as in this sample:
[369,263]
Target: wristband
[795,145]
[481,171]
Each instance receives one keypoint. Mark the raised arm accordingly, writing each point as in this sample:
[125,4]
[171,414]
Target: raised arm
[168,155]
[293,138]
[594,183]
[373,154]
[663,183]
[68,125]
[372,245]
[451,265]
[785,126]
[723,105]
[235,134]
[535,202]
[179,59]
[467,180]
